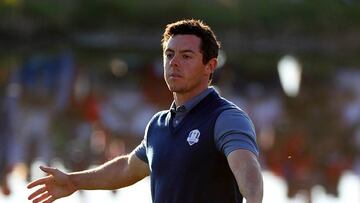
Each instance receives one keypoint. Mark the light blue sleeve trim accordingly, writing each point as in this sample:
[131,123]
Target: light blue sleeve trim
[234,130]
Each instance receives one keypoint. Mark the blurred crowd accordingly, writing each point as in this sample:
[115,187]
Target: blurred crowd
[54,107]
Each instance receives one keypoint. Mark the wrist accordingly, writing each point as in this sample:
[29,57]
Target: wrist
[71,183]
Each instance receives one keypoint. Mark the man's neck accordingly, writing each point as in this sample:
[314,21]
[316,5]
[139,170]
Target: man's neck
[181,98]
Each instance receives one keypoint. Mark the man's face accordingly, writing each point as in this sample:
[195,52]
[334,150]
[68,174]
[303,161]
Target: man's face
[184,71]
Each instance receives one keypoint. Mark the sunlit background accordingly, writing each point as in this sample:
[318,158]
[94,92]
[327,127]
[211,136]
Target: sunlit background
[79,81]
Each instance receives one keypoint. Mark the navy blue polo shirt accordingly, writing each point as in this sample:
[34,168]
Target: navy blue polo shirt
[186,149]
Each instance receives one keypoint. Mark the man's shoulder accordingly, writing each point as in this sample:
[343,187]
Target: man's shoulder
[232,112]
[161,113]
[160,117]
[230,106]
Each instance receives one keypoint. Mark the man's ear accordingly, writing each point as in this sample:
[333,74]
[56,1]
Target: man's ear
[211,65]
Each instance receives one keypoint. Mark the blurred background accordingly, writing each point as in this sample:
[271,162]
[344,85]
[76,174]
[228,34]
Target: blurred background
[79,81]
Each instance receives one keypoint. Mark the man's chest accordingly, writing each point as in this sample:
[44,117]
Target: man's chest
[182,150]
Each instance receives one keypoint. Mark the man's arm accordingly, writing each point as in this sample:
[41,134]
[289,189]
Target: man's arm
[247,172]
[119,172]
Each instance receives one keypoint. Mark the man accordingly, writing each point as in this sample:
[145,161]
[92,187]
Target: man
[201,150]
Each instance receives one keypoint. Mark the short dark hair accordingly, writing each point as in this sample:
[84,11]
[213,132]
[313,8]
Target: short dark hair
[209,46]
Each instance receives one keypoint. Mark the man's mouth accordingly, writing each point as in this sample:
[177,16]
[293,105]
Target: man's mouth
[174,75]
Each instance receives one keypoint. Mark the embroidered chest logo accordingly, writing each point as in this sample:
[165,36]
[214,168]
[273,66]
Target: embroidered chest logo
[193,137]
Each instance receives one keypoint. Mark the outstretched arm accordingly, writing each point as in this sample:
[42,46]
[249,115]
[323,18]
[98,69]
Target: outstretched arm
[247,172]
[119,172]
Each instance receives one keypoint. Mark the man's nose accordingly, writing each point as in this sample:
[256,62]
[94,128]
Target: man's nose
[174,61]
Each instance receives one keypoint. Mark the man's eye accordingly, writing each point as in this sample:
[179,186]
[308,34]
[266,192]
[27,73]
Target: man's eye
[169,55]
[186,56]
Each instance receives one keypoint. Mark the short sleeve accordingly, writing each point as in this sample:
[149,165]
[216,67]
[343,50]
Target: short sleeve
[140,151]
[234,130]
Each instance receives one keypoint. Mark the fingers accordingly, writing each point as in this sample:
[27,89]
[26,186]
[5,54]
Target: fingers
[51,199]
[48,170]
[36,193]
[44,180]
[41,181]
[42,194]
[42,197]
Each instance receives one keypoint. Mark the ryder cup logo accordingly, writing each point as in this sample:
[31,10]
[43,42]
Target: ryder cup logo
[193,137]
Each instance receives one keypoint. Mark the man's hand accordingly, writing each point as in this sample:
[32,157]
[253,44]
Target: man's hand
[54,186]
